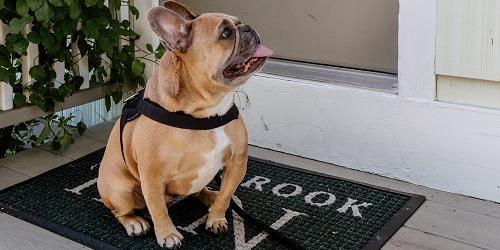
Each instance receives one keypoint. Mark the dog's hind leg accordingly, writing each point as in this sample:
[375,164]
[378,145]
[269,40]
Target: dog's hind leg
[206,196]
[123,204]
[122,195]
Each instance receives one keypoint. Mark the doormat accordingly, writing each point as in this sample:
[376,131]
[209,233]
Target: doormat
[316,210]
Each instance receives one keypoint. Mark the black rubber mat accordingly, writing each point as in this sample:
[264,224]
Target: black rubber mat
[318,211]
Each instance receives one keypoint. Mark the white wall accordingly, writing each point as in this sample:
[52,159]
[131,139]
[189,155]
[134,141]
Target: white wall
[409,136]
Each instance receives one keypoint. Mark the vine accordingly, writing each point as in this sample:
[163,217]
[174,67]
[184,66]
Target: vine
[55,25]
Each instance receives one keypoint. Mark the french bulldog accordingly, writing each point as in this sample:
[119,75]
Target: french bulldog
[208,57]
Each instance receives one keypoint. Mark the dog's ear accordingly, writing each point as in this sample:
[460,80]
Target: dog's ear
[180,9]
[172,29]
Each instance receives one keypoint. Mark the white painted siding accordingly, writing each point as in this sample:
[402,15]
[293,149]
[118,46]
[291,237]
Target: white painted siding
[468,39]
[468,91]
[468,52]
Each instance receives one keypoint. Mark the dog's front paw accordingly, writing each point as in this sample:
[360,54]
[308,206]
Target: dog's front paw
[169,239]
[216,225]
[135,225]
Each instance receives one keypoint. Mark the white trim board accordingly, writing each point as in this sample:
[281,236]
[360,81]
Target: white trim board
[417,49]
[444,146]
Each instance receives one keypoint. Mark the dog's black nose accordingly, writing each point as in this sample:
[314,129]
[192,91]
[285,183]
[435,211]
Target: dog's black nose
[244,28]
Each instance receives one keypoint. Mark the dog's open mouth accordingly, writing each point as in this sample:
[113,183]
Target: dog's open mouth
[252,64]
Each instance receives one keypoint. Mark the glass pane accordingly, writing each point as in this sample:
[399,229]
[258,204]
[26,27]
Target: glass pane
[359,34]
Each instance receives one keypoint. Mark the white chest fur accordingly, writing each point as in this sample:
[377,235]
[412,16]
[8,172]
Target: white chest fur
[213,161]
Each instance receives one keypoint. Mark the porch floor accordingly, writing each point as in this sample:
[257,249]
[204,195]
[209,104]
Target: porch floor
[445,220]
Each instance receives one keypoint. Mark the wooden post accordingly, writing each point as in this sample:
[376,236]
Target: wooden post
[59,69]
[80,64]
[141,26]
[28,61]
[6,101]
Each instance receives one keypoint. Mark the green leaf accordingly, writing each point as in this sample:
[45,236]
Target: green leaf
[117,96]
[75,10]
[107,102]
[4,57]
[44,13]
[19,100]
[17,43]
[55,145]
[61,132]
[67,26]
[81,127]
[106,45]
[160,50]
[114,4]
[60,13]
[22,7]
[65,141]
[89,3]
[103,16]
[4,75]
[57,3]
[34,4]
[134,11]
[91,29]
[125,23]
[48,41]
[38,72]
[16,25]
[44,134]
[34,37]
[77,82]
[149,47]
[137,67]
[83,46]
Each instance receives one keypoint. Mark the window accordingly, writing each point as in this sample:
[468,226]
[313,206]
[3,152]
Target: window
[354,34]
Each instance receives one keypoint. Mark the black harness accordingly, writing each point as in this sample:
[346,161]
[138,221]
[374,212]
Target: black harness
[137,105]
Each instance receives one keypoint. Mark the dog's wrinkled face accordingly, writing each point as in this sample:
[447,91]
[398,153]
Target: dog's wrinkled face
[215,45]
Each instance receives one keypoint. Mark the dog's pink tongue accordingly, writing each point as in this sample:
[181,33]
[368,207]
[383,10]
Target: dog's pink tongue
[262,51]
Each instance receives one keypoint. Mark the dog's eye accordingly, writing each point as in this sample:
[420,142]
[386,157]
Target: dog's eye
[226,33]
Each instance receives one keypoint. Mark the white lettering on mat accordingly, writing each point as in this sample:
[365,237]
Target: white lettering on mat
[297,191]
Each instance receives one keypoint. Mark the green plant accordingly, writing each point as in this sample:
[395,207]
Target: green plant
[55,24]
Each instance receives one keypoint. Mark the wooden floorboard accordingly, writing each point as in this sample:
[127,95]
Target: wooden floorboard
[18,234]
[101,131]
[445,221]
[411,239]
[9,177]
[457,224]
[33,162]
[83,145]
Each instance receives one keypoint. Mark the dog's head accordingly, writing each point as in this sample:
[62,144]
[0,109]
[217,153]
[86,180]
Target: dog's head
[213,45]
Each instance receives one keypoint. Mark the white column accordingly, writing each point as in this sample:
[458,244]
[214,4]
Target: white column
[6,101]
[59,69]
[141,26]
[417,49]
[28,61]
[80,64]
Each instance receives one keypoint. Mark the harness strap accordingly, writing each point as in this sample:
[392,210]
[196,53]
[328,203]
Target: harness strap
[286,241]
[136,106]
